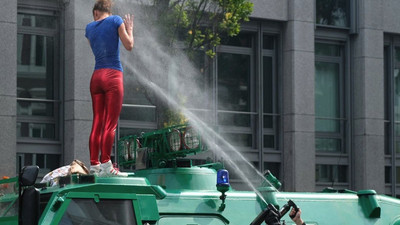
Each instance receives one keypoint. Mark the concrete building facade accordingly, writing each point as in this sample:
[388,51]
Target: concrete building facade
[320,92]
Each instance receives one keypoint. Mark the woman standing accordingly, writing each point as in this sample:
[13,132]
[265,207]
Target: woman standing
[106,85]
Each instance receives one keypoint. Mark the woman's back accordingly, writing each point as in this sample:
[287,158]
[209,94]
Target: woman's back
[105,43]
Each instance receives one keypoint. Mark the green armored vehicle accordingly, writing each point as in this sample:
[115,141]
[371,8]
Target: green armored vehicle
[167,189]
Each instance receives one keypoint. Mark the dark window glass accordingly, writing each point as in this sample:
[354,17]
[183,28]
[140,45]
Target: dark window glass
[38,21]
[36,130]
[388,149]
[388,105]
[40,162]
[396,79]
[241,40]
[138,113]
[233,119]
[269,121]
[328,144]
[386,58]
[137,95]
[27,108]
[388,174]
[327,94]
[35,78]
[268,85]
[333,12]
[52,161]
[327,49]
[331,173]
[233,82]
[397,174]
[268,42]
[274,168]
[28,160]
[269,141]
[46,162]
[38,94]
[239,140]
[194,83]
[106,211]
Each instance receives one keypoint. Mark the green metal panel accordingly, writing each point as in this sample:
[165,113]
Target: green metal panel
[397,222]
[195,178]
[148,207]
[11,220]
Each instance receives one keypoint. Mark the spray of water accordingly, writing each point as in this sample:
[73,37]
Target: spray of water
[152,64]
[208,134]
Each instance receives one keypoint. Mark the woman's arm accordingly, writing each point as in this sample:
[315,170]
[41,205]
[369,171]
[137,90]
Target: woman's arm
[125,32]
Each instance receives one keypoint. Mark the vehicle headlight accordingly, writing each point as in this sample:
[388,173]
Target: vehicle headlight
[174,140]
[191,138]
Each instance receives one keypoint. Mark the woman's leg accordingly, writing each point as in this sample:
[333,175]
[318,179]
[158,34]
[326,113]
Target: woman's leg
[114,92]
[98,99]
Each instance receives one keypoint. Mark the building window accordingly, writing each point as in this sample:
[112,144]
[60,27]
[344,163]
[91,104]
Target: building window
[333,13]
[392,115]
[330,116]
[247,101]
[328,102]
[271,117]
[331,174]
[38,90]
[234,89]
[236,113]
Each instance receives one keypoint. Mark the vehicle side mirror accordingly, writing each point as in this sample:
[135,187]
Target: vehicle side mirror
[28,175]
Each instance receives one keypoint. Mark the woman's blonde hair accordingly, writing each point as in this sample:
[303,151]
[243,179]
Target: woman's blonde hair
[103,6]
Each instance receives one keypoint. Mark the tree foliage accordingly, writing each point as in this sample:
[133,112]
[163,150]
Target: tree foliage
[200,23]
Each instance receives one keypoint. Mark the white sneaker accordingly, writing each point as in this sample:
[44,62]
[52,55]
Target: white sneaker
[107,170]
[95,169]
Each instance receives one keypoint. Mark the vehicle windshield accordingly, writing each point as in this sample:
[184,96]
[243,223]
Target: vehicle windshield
[106,211]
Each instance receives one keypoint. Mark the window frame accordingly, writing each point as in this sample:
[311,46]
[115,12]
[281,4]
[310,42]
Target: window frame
[353,20]
[392,158]
[44,146]
[345,157]
[258,154]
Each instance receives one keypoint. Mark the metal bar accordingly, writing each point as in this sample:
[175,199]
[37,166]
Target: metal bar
[138,106]
[330,118]
[237,112]
[38,100]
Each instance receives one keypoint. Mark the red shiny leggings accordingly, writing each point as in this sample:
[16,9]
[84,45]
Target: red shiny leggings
[106,88]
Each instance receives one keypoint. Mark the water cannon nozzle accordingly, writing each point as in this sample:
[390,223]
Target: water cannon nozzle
[272,180]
